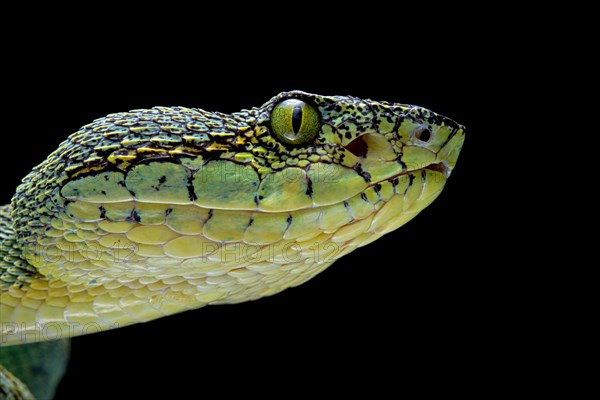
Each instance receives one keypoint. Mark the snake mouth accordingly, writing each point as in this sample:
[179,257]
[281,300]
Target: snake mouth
[441,167]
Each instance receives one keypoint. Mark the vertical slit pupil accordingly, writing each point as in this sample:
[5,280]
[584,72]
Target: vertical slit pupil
[297,117]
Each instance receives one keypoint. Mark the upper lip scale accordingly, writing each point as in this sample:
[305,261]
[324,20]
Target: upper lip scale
[443,168]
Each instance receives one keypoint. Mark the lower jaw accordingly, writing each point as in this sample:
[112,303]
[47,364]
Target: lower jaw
[402,197]
[379,209]
[228,274]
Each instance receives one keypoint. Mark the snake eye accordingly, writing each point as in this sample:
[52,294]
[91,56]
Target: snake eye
[295,122]
[423,134]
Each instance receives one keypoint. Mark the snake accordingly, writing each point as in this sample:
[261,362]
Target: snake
[147,213]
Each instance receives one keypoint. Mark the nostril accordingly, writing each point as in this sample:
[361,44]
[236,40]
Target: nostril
[423,134]
[358,147]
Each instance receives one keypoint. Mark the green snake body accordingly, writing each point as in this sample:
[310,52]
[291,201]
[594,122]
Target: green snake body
[147,213]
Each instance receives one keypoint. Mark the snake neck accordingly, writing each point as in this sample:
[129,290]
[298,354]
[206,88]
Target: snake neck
[14,270]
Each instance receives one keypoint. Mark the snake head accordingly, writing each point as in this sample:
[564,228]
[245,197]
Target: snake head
[346,144]
[147,213]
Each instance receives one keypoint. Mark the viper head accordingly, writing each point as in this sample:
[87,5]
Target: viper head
[152,212]
[299,165]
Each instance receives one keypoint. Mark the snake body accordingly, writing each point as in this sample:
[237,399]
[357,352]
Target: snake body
[148,213]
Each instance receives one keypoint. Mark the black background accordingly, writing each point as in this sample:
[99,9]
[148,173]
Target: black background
[416,301]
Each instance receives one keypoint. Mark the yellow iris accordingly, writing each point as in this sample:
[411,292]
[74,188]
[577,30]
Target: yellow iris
[295,122]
